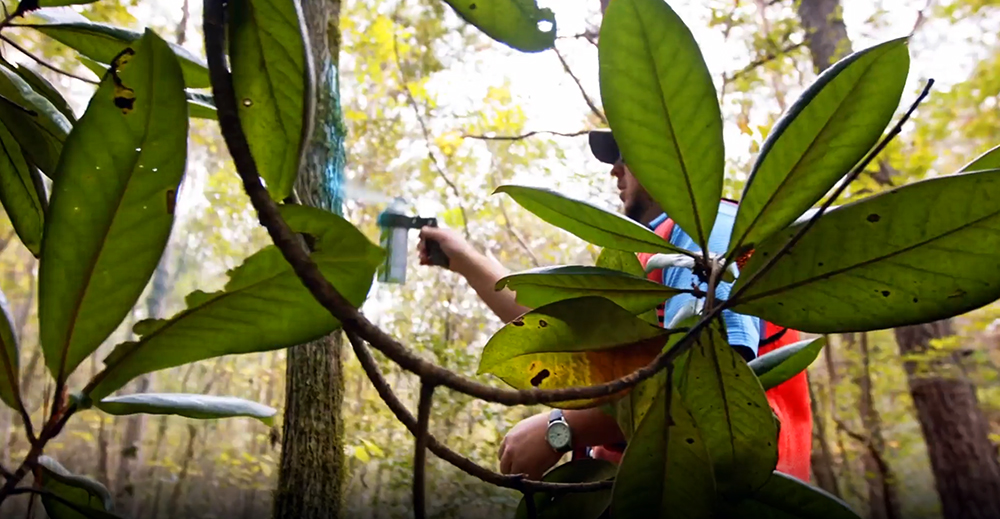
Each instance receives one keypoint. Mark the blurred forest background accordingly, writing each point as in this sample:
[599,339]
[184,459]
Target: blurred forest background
[439,114]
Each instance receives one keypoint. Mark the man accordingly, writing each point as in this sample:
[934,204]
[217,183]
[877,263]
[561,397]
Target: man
[527,447]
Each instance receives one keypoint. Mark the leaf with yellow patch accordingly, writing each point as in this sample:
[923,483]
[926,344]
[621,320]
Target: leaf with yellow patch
[572,343]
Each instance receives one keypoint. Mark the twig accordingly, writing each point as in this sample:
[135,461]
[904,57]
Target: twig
[524,135]
[860,167]
[427,137]
[420,452]
[763,60]
[516,482]
[589,35]
[507,225]
[5,473]
[44,63]
[328,296]
[590,102]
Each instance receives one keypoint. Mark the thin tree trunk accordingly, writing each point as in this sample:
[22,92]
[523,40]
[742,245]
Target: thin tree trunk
[966,471]
[311,475]
[883,499]
[826,34]
[822,457]
[103,474]
[175,496]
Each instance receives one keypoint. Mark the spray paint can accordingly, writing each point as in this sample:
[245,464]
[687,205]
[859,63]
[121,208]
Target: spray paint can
[394,238]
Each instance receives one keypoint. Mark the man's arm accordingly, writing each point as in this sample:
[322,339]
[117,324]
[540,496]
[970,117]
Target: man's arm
[481,272]
[525,449]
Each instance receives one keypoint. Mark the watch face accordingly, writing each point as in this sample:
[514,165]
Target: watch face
[558,435]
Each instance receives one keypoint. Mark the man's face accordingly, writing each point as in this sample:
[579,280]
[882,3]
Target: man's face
[638,203]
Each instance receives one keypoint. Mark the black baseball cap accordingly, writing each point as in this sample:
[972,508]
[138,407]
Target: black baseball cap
[604,147]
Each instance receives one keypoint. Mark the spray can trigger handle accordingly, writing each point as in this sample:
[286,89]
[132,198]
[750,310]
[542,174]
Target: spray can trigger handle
[434,252]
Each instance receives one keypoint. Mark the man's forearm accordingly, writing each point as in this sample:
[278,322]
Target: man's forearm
[482,273]
[591,427]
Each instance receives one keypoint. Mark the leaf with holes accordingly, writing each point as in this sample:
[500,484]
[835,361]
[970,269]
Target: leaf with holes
[201,407]
[19,193]
[915,254]
[38,126]
[518,23]
[72,496]
[588,505]
[571,343]
[112,206]
[838,119]
[732,413]
[102,43]
[10,371]
[46,89]
[666,470]
[784,497]
[661,105]
[545,285]
[588,221]
[273,79]
[779,366]
[263,291]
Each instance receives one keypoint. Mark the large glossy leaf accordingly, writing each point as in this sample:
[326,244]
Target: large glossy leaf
[57,3]
[732,413]
[201,407]
[90,499]
[46,89]
[19,193]
[661,105]
[826,132]
[544,285]
[101,42]
[784,497]
[666,470]
[10,371]
[264,306]
[778,366]
[35,122]
[576,342]
[915,254]
[988,160]
[588,505]
[588,221]
[517,23]
[112,205]
[628,263]
[273,79]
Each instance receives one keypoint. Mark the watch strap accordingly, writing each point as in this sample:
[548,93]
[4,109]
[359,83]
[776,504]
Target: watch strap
[555,415]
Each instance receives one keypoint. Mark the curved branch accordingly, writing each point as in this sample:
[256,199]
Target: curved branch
[524,135]
[462,463]
[583,91]
[46,64]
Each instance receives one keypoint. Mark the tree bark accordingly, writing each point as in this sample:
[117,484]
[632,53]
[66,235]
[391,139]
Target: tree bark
[826,34]
[966,471]
[883,499]
[822,457]
[311,474]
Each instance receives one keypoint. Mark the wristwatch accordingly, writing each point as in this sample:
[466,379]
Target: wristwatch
[558,434]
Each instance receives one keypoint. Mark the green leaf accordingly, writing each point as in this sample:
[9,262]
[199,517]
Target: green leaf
[666,470]
[822,136]
[46,89]
[19,194]
[263,291]
[112,206]
[628,263]
[588,221]
[544,285]
[988,160]
[57,3]
[10,371]
[35,122]
[589,505]
[102,43]
[571,343]
[201,106]
[732,413]
[517,23]
[784,497]
[201,407]
[96,67]
[661,105]
[778,366]
[915,254]
[90,499]
[273,79]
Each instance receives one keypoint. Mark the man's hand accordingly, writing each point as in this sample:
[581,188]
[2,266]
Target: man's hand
[452,244]
[526,451]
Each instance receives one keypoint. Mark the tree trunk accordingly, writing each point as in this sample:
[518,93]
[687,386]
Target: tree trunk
[826,34]
[311,475]
[883,499]
[822,457]
[966,471]
[174,504]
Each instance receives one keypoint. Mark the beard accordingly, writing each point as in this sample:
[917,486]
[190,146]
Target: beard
[635,209]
